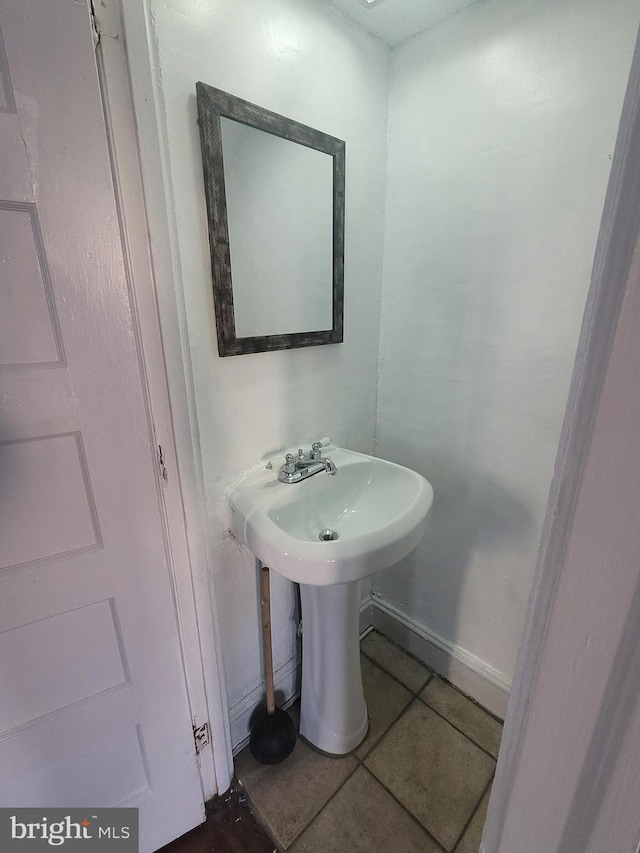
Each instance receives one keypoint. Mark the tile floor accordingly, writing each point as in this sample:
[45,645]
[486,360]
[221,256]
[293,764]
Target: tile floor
[419,783]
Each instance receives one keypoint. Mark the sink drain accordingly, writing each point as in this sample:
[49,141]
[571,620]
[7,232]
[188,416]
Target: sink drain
[327,535]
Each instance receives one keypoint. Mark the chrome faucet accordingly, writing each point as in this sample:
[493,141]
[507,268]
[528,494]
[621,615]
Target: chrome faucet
[297,469]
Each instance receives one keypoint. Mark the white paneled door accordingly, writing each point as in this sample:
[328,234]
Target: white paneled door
[93,701]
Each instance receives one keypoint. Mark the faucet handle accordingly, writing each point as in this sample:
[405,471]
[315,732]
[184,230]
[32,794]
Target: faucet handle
[289,464]
[316,450]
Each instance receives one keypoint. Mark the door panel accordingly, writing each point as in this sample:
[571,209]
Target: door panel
[93,702]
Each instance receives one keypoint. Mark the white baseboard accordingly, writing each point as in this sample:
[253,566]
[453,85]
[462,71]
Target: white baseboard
[477,679]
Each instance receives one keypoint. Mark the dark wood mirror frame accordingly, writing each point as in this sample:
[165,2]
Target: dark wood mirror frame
[213,104]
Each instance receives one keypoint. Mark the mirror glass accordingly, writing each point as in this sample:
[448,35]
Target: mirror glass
[279,211]
[275,209]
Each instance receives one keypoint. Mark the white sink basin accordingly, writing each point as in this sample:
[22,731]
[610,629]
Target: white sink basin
[377,510]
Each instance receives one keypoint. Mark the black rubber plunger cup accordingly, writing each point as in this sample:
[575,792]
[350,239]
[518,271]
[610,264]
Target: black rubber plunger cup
[273,734]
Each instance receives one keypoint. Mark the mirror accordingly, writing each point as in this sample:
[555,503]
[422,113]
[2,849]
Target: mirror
[275,207]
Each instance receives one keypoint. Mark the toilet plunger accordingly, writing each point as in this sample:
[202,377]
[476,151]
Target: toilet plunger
[273,734]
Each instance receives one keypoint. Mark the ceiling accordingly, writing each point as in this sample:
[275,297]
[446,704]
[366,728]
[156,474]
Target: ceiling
[395,21]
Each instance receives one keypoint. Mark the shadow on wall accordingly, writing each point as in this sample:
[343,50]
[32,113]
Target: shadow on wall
[471,514]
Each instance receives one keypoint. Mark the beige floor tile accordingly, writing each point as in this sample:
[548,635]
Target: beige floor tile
[364,818]
[386,654]
[288,795]
[433,769]
[385,700]
[471,840]
[464,714]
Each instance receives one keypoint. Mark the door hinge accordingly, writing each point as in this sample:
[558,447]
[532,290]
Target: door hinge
[201,737]
[163,468]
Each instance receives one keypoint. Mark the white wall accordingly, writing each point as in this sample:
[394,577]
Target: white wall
[298,58]
[570,754]
[502,123]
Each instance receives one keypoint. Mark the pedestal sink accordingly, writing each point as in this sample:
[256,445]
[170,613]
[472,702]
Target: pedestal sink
[327,533]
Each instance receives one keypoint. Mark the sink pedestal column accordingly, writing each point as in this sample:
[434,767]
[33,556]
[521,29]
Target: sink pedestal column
[333,712]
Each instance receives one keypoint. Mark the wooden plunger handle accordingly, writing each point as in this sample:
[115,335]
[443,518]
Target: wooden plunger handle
[265,602]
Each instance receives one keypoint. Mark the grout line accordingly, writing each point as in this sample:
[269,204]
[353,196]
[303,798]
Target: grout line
[400,648]
[382,784]
[433,671]
[323,807]
[473,814]
[417,693]
[472,700]
[360,761]
[435,711]
[458,729]
[406,810]
[428,673]
[384,732]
